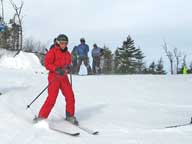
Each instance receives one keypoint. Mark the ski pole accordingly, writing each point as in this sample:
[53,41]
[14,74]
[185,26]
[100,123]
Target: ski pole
[69,67]
[71,79]
[28,106]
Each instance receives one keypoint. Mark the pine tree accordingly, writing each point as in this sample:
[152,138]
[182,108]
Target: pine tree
[107,59]
[116,61]
[184,64]
[140,65]
[160,67]
[190,68]
[152,68]
[5,38]
[125,57]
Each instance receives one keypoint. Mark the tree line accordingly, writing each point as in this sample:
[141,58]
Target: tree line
[126,59]
[129,59]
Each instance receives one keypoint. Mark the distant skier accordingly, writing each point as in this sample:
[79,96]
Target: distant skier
[184,71]
[58,61]
[82,53]
[74,59]
[96,54]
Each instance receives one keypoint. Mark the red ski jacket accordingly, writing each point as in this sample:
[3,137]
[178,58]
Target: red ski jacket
[56,58]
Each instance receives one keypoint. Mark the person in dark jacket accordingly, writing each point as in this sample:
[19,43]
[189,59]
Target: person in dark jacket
[96,55]
[74,59]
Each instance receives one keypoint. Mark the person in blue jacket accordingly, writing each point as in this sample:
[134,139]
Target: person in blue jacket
[82,54]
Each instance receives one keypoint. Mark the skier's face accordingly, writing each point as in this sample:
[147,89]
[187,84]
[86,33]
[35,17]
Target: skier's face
[63,44]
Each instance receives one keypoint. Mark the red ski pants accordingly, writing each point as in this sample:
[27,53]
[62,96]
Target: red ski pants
[62,83]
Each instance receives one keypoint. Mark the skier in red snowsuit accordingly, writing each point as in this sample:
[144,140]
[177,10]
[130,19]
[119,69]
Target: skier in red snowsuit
[58,61]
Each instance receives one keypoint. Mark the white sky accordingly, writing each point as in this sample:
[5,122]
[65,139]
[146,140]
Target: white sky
[108,22]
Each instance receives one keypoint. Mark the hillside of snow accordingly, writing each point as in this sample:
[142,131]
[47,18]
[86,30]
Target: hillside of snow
[125,109]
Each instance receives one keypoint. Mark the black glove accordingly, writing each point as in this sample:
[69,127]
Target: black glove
[60,71]
[68,68]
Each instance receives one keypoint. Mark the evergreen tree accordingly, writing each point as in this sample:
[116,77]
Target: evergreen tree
[5,38]
[9,37]
[160,67]
[190,68]
[145,70]
[125,57]
[107,60]
[139,65]
[184,65]
[116,61]
[152,68]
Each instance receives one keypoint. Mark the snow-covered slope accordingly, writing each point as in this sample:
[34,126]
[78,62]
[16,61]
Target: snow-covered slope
[132,109]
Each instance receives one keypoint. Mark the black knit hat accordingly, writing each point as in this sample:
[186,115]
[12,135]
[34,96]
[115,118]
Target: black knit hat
[62,37]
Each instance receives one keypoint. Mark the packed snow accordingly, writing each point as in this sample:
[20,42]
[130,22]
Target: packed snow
[125,109]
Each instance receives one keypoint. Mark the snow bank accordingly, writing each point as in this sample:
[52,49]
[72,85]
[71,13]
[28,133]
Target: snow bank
[24,61]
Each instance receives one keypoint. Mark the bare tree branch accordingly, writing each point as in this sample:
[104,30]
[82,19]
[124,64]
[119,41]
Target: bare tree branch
[177,57]
[20,28]
[22,3]
[169,54]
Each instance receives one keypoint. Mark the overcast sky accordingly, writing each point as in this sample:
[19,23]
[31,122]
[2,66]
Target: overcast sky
[109,22]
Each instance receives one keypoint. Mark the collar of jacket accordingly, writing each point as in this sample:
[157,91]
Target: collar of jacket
[62,50]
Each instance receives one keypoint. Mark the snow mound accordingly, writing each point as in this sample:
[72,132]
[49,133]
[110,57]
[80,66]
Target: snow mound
[24,61]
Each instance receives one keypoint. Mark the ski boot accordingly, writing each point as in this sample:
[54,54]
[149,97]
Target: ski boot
[37,119]
[71,119]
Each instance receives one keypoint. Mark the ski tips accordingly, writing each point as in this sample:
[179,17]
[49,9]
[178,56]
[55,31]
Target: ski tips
[64,132]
